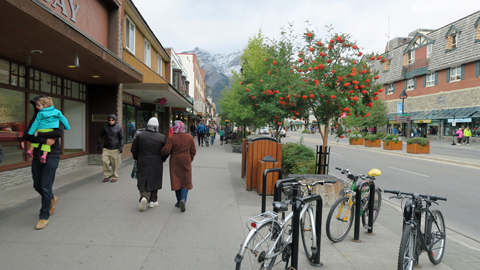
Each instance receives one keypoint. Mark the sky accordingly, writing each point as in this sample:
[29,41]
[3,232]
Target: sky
[224,26]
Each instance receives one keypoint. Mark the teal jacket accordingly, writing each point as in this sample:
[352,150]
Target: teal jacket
[48,118]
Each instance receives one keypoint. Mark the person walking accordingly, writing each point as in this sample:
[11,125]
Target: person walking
[212,133]
[467,133]
[146,150]
[1,154]
[113,139]
[221,133]
[460,135]
[201,129]
[394,130]
[193,128]
[44,173]
[181,149]
[207,136]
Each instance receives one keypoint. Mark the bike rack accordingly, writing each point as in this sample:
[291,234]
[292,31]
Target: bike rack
[358,205]
[296,228]
[264,186]
[277,192]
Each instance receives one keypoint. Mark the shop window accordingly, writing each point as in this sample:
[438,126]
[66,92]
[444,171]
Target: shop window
[17,75]
[75,90]
[12,125]
[34,81]
[4,71]
[129,124]
[46,82]
[83,92]
[75,139]
[56,85]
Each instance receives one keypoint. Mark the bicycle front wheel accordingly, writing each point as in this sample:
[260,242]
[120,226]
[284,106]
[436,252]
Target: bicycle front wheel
[406,254]
[339,220]
[307,228]
[376,208]
[259,246]
[435,236]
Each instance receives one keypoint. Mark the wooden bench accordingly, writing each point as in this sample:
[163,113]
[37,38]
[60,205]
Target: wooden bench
[232,137]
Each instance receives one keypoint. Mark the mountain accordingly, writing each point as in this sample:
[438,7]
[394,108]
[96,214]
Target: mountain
[218,70]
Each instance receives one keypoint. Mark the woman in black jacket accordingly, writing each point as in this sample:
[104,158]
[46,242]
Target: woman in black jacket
[44,173]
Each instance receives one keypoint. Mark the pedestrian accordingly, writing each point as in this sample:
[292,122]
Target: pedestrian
[460,135]
[395,131]
[192,129]
[467,133]
[201,129]
[181,149]
[44,173]
[1,154]
[371,130]
[212,135]
[112,136]
[222,135]
[146,150]
[207,136]
[47,119]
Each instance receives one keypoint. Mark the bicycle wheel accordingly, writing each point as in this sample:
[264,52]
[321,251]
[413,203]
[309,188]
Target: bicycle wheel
[376,207]
[307,229]
[435,236]
[406,254]
[261,243]
[339,220]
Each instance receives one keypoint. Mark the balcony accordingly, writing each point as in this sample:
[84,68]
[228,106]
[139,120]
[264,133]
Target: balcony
[419,67]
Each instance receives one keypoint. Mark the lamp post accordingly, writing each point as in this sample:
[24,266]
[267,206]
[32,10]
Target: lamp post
[403,96]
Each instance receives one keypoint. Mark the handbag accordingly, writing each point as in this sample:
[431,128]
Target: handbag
[134,170]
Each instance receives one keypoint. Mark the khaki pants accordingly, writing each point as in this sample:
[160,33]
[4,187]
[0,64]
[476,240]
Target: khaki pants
[110,157]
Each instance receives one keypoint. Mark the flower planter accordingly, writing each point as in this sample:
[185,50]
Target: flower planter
[376,143]
[418,149]
[393,146]
[358,141]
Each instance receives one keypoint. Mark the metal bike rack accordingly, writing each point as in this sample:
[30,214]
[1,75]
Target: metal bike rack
[264,186]
[296,228]
[277,192]
[358,206]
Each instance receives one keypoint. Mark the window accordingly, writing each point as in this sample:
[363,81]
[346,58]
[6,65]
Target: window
[12,121]
[130,35]
[390,89]
[159,64]
[148,55]
[456,74]
[129,124]
[430,79]
[75,113]
[411,57]
[411,84]
[454,42]
[387,65]
[429,50]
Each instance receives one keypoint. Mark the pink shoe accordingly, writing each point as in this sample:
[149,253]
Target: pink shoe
[43,159]
[30,153]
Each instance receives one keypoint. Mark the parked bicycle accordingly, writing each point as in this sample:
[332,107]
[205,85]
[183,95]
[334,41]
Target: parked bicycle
[341,214]
[270,236]
[414,241]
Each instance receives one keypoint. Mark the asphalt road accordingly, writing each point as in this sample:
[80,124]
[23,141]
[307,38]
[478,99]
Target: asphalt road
[455,182]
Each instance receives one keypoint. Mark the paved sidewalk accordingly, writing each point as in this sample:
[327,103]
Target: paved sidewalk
[98,226]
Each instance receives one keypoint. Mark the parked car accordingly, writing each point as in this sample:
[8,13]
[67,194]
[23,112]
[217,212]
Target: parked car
[283,133]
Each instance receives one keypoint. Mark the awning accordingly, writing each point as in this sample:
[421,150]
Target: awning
[420,115]
[149,92]
[456,113]
[391,116]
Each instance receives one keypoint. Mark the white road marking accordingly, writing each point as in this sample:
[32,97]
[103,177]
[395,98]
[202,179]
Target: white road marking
[408,171]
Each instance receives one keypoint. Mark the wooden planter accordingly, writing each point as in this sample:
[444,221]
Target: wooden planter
[358,141]
[393,146]
[417,149]
[376,143]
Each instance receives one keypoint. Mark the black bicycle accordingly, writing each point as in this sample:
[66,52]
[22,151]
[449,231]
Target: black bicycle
[414,241]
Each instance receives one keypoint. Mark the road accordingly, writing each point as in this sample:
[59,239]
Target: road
[406,173]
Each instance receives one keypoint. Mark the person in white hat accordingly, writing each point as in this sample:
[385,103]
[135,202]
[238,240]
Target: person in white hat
[146,149]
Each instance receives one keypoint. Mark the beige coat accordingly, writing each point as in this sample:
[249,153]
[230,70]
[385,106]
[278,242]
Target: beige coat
[182,150]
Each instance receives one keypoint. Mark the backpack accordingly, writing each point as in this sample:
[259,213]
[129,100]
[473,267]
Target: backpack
[201,129]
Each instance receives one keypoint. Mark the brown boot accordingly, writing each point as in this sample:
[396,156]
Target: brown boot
[41,224]
[52,206]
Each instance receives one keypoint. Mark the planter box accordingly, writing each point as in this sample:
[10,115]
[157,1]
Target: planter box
[358,141]
[417,149]
[376,143]
[237,148]
[393,146]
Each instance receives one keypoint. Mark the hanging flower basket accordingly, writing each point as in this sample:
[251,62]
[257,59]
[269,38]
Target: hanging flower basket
[161,101]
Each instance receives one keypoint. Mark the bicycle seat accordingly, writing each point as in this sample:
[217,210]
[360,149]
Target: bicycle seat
[280,206]
[374,172]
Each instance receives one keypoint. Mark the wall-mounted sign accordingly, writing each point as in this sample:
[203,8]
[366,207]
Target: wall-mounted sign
[100,118]
[127,98]
[461,120]
[137,101]
[402,118]
[422,121]
[399,107]
[159,108]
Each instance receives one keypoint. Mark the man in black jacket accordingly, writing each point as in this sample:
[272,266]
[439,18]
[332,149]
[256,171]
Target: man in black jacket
[112,136]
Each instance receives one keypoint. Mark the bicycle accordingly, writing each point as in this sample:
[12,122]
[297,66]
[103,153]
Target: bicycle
[270,236]
[341,214]
[413,241]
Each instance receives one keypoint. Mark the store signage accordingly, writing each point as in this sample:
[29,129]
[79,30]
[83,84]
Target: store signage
[100,118]
[402,118]
[461,120]
[62,5]
[399,107]
[127,98]
[159,108]
[137,101]
[422,121]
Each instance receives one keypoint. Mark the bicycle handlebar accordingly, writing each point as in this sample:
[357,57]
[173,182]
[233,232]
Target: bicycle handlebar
[430,197]
[299,183]
[352,176]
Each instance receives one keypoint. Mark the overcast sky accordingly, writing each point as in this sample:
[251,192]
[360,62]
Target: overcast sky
[224,26]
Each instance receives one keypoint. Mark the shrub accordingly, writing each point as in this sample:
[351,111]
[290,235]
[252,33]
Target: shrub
[371,138]
[391,138]
[293,153]
[381,135]
[306,131]
[419,140]
[354,135]
[304,167]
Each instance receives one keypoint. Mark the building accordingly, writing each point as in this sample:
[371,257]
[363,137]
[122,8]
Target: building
[438,70]
[197,77]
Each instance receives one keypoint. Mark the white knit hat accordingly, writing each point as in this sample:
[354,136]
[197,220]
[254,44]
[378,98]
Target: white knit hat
[153,122]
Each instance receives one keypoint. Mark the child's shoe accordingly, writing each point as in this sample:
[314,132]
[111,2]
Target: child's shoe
[43,159]
[30,153]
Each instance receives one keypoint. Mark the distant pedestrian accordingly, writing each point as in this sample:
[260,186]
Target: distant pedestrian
[113,139]
[212,133]
[201,129]
[192,130]
[1,154]
[371,130]
[395,131]
[146,150]
[460,135]
[181,149]
[467,133]
[221,133]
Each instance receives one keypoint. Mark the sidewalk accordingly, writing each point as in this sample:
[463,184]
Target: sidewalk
[98,226]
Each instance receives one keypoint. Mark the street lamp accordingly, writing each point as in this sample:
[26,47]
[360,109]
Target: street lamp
[403,96]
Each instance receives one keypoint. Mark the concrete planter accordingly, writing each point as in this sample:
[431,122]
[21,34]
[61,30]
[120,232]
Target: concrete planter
[393,146]
[237,148]
[418,149]
[358,141]
[329,192]
[376,143]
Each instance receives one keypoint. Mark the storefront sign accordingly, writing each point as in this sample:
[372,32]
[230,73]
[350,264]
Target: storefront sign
[127,98]
[402,118]
[159,108]
[137,101]
[393,122]
[100,118]
[63,6]
[422,121]
[399,107]
[461,120]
